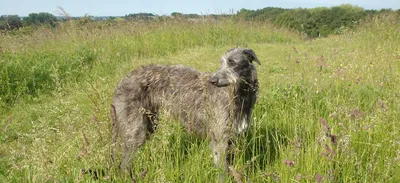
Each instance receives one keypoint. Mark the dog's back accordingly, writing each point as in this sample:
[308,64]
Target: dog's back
[183,92]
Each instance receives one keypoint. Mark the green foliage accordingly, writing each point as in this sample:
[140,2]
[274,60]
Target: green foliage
[313,22]
[35,71]
[40,19]
[192,16]
[10,22]
[140,16]
[84,21]
[176,14]
[265,14]
[40,72]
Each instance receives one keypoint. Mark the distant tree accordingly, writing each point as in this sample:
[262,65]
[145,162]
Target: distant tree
[314,22]
[3,24]
[39,19]
[268,13]
[10,22]
[244,13]
[286,19]
[387,10]
[176,14]
[85,20]
[371,12]
[140,16]
[322,20]
[191,15]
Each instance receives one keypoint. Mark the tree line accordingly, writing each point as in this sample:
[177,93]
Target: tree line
[9,22]
[315,22]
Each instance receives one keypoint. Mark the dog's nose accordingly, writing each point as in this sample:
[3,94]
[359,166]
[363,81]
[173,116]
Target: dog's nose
[213,80]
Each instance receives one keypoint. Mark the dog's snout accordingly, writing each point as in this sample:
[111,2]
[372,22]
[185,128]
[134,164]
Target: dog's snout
[213,80]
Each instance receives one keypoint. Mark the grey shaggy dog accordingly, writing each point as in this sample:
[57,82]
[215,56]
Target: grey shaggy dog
[218,106]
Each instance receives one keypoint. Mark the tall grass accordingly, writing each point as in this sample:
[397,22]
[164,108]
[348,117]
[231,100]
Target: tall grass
[327,111]
[44,60]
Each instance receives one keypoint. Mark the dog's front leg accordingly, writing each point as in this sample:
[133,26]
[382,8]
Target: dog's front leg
[219,142]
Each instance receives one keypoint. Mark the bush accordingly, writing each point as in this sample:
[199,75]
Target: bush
[314,22]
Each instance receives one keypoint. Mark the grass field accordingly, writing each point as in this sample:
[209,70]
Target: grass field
[328,110]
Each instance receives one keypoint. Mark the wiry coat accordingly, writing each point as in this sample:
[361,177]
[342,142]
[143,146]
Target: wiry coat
[218,106]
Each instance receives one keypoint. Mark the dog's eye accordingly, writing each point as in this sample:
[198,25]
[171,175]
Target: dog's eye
[231,62]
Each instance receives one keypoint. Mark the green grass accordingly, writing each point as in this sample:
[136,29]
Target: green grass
[57,85]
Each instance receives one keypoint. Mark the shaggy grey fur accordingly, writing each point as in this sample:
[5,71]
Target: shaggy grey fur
[218,106]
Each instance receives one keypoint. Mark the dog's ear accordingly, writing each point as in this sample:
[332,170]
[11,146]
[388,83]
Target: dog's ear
[251,55]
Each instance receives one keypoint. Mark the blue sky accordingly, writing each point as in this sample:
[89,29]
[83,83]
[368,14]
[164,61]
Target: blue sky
[166,7]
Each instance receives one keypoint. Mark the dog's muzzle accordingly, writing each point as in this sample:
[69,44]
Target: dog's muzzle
[218,81]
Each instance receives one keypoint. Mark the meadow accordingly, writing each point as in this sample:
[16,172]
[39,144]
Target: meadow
[328,109]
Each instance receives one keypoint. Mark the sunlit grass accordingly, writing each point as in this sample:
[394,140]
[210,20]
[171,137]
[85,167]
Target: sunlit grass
[328,108]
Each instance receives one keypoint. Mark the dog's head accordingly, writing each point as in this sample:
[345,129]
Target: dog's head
[236,66]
